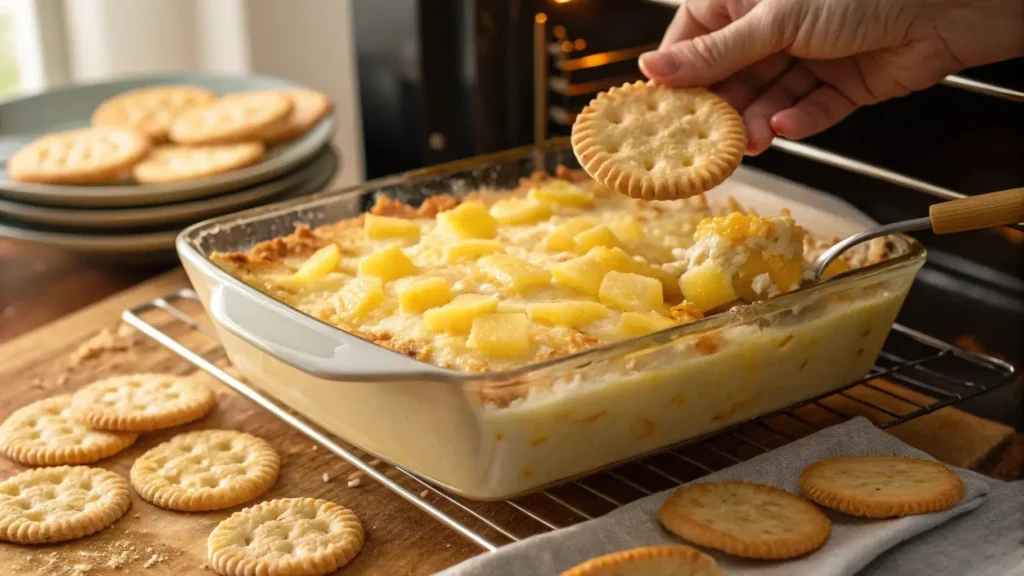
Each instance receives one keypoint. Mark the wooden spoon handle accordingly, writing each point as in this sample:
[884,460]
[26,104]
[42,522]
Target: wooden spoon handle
[976,212]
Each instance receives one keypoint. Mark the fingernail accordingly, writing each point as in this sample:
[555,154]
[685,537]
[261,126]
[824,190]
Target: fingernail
[659,63]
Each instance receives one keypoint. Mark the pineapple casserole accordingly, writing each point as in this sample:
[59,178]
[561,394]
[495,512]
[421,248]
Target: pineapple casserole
[501,279]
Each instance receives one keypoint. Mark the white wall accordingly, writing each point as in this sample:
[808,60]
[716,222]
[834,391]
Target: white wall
[311,42]
[108,38]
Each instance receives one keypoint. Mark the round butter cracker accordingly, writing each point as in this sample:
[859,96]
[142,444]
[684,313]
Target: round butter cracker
[141,402]
[745,519]
[882,486]
[286,537]
[649,561]
[48,505]
[45,433]
[658,143]
[239,117]
[150,110]
[308,108]
[97,155]
[205,470]
[177,163]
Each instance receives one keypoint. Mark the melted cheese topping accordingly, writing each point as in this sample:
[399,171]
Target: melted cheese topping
[647,244]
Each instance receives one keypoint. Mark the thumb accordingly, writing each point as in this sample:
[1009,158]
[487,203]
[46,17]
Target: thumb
[710,58]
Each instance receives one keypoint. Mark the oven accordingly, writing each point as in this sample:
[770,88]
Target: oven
[488,75]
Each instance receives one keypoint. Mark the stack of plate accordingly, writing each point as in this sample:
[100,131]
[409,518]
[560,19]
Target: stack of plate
[140,221]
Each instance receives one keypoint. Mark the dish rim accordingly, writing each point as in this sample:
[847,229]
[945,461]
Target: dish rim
[188,250]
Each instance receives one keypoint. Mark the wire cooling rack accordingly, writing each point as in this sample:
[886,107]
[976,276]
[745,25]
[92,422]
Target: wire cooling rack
[914,375]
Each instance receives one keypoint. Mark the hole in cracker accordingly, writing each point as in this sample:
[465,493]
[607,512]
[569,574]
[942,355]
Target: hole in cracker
[652,105]
[23,504]
[648,164]
[35,516]
[687,161]
[85,484]
[691,110]
[702,134]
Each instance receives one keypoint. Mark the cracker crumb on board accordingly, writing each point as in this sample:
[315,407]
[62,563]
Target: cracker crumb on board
[98,557]
[326,477]
[354,482]
[102,341]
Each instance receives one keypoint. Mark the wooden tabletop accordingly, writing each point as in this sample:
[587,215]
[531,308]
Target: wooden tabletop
[39,284]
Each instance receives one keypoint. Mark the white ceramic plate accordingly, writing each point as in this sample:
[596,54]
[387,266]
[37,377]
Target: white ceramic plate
[23,120]
[177,213]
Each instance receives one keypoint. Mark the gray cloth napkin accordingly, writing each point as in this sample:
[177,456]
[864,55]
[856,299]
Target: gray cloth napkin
[852,544]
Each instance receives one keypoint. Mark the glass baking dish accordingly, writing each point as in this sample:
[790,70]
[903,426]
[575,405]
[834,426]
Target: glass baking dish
[495,435]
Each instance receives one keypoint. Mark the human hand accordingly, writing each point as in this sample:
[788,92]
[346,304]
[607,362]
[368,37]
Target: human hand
[796,67]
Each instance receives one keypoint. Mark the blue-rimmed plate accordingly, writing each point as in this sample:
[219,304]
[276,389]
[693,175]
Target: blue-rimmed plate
[325,162]
[25,119]
[145,245]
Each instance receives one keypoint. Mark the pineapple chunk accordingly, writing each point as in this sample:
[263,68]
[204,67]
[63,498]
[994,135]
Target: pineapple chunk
[360,297]
[501,336]
[631,292]
[469,220]
[514,273]
[561,238]
[471,249]
[628,230]
[583,274]
[571,313]
[597,236]
[836,267]
[518,211]
[562,193]
[419,293]
[387,264]
[669,283]
[614,259]
[638,324]
[617,259]
[707,286]
[786,274]
[320,264]
[456,317]
[382,227]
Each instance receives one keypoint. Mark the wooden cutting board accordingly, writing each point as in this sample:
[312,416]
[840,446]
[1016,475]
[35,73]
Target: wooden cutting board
[401,539]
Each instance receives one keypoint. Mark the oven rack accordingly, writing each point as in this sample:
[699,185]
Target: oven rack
[915,375]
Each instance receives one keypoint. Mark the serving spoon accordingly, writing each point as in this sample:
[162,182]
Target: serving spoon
[974,213]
